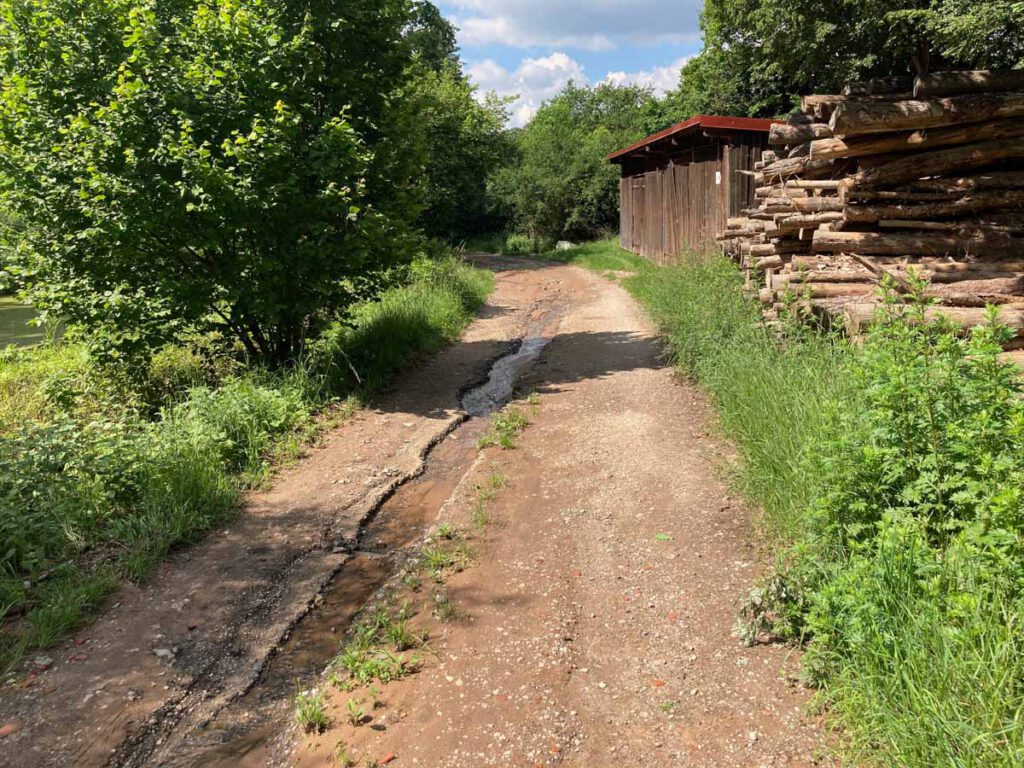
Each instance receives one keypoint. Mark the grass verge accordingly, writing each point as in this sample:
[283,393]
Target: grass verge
[99,482]
[891,475]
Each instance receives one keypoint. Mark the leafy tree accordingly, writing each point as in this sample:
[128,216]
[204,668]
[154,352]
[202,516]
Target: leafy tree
[761,55]
[466,141]
[562,184]
[243,160]
[432,37]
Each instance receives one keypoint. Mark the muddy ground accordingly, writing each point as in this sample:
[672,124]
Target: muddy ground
[592,623]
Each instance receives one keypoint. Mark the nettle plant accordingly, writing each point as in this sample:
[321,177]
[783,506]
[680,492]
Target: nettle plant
[232,162]
[923,482]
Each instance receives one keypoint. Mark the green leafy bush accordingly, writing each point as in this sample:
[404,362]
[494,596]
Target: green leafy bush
[226,162]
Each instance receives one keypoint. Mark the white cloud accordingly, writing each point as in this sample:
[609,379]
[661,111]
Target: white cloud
[532,82]
[592,25]
[660,79]
[535,81]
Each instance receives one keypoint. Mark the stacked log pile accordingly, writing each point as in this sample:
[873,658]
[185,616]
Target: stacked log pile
[892,176]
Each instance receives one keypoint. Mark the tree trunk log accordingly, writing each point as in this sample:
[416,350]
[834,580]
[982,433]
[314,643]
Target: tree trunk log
[817,204]
[860,315]
[938,84]
[977,266]
[944,161]
[768,262]
[829,276]
[818,184]
[827,149]
[781,134]
[911,244]
[992,180]
[861,118]
[965,206]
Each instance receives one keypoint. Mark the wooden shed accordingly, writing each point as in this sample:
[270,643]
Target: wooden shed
[679,186]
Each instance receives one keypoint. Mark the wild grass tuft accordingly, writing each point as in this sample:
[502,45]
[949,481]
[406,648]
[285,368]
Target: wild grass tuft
[505,426]
[311,711]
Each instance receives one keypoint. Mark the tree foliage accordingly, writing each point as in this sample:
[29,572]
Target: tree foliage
[562,184]
[249,160]
[466,141]
[760,55]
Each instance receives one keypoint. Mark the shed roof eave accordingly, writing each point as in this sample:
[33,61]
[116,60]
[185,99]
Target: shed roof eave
[702,122]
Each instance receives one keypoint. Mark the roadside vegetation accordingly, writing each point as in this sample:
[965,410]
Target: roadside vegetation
[102,476]
[891,475]
[240,215]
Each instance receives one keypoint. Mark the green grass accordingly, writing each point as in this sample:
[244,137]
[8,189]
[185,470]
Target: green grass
[311,711]
[768,396]
[891,478]
[601,256]
[375,650]
[505,426]
[100,480]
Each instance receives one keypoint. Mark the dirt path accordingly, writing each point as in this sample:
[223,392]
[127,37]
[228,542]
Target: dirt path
[593,628]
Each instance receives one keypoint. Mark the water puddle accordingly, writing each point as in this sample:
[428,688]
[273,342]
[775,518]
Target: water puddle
[501,382]
[244,734]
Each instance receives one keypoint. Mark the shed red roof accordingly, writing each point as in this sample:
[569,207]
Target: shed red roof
[699,122]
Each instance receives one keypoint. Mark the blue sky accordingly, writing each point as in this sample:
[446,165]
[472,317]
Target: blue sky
[532,48]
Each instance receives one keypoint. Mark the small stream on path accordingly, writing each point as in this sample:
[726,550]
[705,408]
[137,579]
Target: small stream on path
[245,733]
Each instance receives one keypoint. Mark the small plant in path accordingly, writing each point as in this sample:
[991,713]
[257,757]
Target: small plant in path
[341,753]
[356,715]
[504,428]
[311,711]
[444,608]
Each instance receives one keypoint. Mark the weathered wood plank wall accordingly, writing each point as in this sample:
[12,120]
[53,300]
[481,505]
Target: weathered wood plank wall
[684,203]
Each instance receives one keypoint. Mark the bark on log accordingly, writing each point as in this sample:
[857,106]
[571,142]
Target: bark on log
[768,262]
[943,161]
[743,222]
[939,84]
[991,180]
[906,244]
[977,266]
[733,234]
[828,276]
[964,206]
[800,150]
[795,166]
[781,134]
[813,219]
[835,290]
[896,196]
[777,249]
[949,226]
[816,204]
[778,190]
[945,278]
[915,141]
[819,184]
[862,118]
